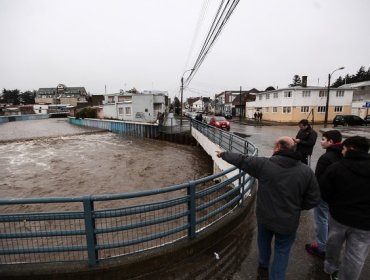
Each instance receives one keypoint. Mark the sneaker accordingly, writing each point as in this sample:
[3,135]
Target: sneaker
[334,276]
[313,250]
[263,273]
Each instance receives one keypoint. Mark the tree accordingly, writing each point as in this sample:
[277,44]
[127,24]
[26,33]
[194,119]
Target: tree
[28,97]
[361,76]
[133,90]
[11,96]
[296,81]
[177,106]
[270,88]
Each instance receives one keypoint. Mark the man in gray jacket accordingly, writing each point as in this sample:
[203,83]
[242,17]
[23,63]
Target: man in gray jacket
[286,186]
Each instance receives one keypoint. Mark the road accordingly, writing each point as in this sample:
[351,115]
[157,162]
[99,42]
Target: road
[301,265]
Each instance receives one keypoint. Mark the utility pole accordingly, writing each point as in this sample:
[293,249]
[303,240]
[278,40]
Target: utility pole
[240,101]
[327,97]
[182,91]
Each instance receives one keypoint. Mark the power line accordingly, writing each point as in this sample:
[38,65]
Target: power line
[217,26]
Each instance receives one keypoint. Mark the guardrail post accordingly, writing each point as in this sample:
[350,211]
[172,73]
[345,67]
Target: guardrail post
[230,142]
[192,210]
[90,230]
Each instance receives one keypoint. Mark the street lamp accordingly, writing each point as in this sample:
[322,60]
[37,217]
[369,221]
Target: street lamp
[327,96]
[182,91]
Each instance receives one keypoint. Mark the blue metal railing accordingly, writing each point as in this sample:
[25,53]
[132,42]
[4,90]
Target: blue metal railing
[5,119]
[97,227]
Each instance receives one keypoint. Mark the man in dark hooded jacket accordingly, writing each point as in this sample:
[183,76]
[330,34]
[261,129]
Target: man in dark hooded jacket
[306,140]
[345,187]
[286,186]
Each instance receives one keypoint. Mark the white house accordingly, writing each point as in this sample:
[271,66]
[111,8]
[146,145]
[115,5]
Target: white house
[134,107]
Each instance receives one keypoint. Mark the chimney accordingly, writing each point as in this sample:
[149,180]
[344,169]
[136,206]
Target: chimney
[304,81]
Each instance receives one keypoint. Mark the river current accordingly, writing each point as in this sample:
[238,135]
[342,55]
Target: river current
[62,161]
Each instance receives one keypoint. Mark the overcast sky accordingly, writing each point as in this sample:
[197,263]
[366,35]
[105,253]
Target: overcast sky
[148,44]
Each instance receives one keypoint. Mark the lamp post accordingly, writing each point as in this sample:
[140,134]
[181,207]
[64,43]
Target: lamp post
[182,91]
[327,96]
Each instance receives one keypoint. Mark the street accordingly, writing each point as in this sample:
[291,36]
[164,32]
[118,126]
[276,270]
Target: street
[301,264]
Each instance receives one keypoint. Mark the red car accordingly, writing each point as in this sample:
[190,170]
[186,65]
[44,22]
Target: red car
[220,122]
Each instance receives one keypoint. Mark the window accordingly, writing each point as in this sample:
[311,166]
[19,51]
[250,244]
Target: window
[305,109]
[274,109]
[260,97]
[267,96]
[120,111]
[276,94]
[287,110]
[110,99]
[287,94]
[127,110]
[340,93]
[338,109]
[306,93]
[322,93]
[321,109]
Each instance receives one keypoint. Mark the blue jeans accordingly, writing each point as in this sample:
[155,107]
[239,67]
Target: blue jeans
[321,214]
[283,244]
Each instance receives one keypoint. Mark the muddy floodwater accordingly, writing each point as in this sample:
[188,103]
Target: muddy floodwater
[98,163]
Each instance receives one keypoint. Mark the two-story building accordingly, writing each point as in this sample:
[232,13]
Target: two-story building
[295,103]
[361,95]
[61,94]
[229,101]
[135,107]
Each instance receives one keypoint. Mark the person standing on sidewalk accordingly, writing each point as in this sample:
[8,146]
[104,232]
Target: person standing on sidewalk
[331,141]
[345,186]
[306,140]
[285,187]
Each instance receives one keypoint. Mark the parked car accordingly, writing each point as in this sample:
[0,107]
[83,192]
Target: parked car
[346,120]
[219,122]
[227,115]
[367,119]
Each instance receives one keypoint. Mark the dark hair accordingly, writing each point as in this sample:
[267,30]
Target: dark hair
[333,135]
[304,122]
[357,143]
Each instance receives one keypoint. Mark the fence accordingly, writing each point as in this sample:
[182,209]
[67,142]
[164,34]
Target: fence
[97,227]
[121,127]
[5,119]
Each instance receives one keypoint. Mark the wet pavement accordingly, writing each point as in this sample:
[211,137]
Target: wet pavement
[301,264]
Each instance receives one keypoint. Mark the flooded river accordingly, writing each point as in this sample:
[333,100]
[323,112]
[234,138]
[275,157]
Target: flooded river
[60,161]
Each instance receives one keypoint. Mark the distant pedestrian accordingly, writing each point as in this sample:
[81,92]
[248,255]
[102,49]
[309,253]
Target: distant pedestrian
[345,187]
[331,141]
[255,116]
[306,140]
[260,116]
[285,188]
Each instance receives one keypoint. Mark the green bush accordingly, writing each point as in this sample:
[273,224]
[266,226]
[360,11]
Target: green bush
[87,113]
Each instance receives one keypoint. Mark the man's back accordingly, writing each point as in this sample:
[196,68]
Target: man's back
[346,188]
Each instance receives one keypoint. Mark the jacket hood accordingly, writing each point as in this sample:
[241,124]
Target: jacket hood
[337,148]
[357,162]
[286,158]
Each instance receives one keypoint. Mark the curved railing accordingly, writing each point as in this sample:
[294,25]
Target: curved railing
[97,227]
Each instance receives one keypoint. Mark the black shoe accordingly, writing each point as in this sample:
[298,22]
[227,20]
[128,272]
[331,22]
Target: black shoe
[263,273]
[334,276]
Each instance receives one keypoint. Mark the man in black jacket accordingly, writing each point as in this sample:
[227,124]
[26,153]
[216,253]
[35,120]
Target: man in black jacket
[331,141]
[345,187]
[306,140]
[285,188]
